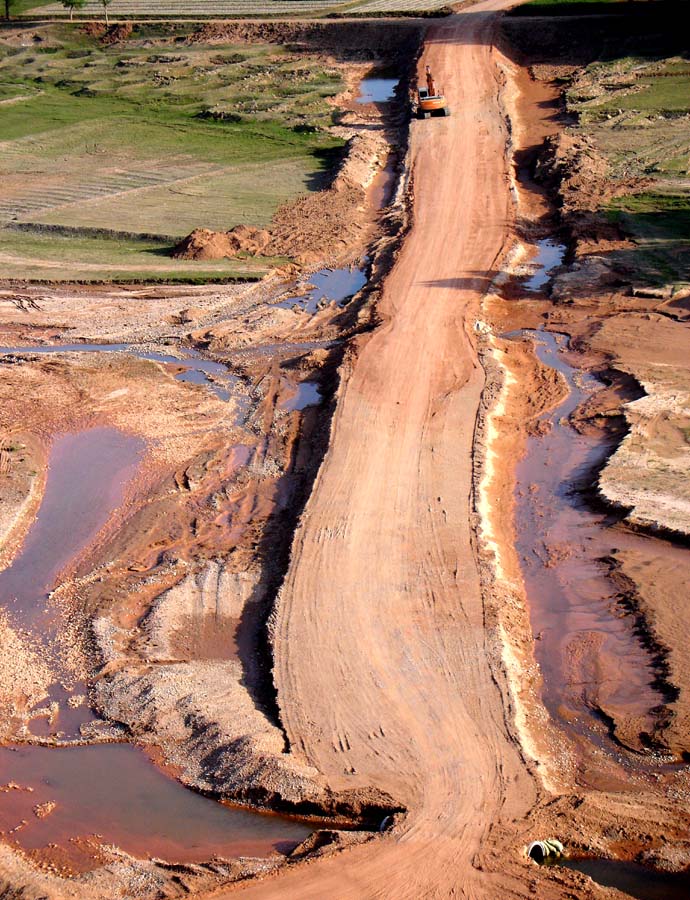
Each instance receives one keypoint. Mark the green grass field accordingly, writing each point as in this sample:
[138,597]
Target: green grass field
[57,257]
[143,138]
[659,223]
[637,111]
[204,9]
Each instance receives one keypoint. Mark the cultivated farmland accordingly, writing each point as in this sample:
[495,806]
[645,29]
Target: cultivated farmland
[124,9]
[153,138]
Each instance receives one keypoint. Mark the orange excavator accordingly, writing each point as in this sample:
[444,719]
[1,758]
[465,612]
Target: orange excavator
[430,99]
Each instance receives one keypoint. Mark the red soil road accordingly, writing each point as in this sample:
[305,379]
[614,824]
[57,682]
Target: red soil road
[382,662]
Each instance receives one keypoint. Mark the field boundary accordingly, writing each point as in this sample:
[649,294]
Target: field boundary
[87,232]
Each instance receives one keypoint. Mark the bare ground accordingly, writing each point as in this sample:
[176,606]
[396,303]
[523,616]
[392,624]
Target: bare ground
[402,597]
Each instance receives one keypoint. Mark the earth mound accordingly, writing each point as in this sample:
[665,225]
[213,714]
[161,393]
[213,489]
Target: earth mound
[203,243]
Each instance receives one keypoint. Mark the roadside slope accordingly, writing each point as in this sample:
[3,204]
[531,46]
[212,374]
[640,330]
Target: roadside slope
[382,661]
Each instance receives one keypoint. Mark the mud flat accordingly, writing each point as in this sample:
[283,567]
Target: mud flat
[199,416]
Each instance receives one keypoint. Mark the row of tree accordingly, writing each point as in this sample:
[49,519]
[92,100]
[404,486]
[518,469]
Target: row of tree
[71,5]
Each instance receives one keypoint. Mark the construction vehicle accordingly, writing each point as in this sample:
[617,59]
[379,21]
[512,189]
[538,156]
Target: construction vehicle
[430,99]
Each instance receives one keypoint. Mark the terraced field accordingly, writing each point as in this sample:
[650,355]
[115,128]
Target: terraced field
[101,139]
[243,8]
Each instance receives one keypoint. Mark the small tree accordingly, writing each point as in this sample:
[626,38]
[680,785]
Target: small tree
[105,4]
[8,8]
[71,5]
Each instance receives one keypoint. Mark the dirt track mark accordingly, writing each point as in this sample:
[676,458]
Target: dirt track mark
[380,629]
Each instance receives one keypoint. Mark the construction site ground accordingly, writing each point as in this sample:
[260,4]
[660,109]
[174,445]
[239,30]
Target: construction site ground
[309,596]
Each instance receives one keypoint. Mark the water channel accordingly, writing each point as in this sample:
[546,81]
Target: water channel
[588,648]
[590,656]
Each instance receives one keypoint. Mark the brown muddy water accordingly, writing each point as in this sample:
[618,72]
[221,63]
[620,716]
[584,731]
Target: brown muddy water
[383,186]
[88,474]
[112,790]
[596,670]
[115,792]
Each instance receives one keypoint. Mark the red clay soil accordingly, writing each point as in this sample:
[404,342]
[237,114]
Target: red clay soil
[385,673]
[205,244]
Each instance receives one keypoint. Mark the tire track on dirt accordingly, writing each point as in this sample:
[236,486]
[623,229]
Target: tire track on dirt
[384,669]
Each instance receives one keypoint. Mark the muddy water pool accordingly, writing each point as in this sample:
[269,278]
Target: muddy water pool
[594,666]
[326,285]
[383,186]
[88,474]
[115,791]
[550,255]
[110,789]
[377,89]
[307,393]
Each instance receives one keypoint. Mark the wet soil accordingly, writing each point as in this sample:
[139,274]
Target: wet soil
[137,807]
[600,678]
[167,585]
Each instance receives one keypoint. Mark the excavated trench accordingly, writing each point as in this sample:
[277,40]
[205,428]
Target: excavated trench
[604,679]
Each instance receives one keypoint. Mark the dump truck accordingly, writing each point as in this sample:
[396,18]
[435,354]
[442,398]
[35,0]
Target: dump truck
[430,99]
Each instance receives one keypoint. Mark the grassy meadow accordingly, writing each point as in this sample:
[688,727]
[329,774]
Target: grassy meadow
[154,135]
[637,110]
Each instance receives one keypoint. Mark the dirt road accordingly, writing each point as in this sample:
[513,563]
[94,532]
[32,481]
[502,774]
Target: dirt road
[383,664]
